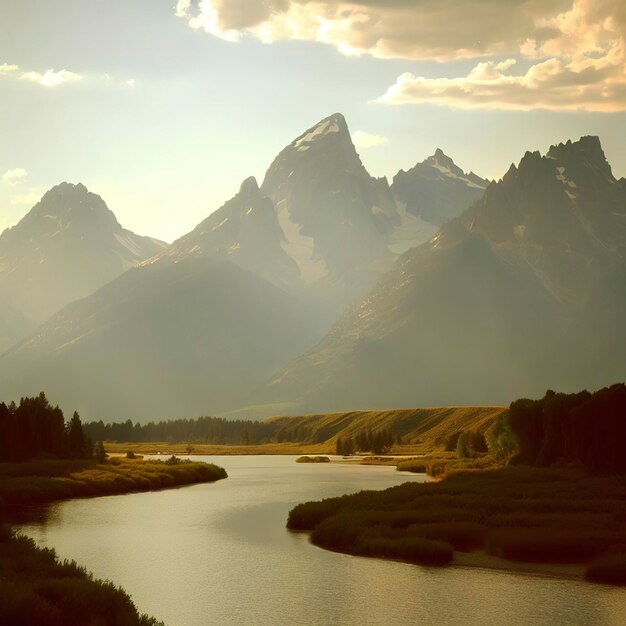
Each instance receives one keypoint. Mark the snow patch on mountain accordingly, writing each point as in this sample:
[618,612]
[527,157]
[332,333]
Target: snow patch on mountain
[329,126]
[300,247]
[127,242]
[562,178]
[446,171]
[412,231]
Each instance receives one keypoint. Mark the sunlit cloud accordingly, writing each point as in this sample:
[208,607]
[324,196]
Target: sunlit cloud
[429,29]
[365,140]
[50,78]
[14,177]
[6,69]
[580,65]
[551,84]
[576,48]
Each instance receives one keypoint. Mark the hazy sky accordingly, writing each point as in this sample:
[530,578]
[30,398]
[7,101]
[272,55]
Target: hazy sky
[164,108]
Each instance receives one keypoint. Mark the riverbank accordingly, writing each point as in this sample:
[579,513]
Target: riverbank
[39,590]
[553,521]
[41,482]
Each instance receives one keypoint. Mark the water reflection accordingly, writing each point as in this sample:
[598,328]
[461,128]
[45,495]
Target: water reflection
[220,554]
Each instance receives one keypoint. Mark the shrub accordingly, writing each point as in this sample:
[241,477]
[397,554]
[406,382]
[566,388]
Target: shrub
[611,570]
[542,545]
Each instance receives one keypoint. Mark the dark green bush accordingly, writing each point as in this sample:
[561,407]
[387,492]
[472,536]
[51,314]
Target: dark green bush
[610,570]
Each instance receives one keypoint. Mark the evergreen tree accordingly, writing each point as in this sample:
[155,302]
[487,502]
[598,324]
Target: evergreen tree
[348,446]
[339,446]
[99,452]
[75,438]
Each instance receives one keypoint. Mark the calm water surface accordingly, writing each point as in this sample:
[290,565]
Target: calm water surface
[220,554]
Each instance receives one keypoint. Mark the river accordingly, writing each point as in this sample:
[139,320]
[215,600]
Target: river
[220,554]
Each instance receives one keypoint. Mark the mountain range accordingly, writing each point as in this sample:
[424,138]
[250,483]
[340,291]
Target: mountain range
[525,290]
[197,326]
[324,288]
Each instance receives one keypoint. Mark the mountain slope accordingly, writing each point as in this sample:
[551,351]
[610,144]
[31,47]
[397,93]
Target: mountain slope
[524,291]
[66,247]
[245,231]
[437,190]
[13,326]
[319,226]
[167,339]
[200,325]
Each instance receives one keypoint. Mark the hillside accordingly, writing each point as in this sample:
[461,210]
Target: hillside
[13,325]
[428,427]
[163,340]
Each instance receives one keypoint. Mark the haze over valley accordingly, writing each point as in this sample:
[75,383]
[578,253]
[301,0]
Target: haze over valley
[284,282]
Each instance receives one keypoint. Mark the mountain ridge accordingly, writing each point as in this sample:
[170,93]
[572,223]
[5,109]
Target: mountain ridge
[69,244]
[499,301]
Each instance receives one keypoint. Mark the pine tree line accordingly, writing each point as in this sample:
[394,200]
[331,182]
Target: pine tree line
[35,429]
[379,442]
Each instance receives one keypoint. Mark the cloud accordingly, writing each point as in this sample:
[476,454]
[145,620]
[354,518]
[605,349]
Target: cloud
[579,64]
[551,84]
[50,78]
[408,29]
[6,69]
[365,140]
[14,177]
[576,48]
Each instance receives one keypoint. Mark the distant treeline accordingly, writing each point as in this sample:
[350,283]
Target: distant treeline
[587,429]
[220,431]
[213,430]
[35,429]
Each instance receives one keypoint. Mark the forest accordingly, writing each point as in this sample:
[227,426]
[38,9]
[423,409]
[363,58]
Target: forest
[555,494]
[214,430]
[34,429]
[587,429]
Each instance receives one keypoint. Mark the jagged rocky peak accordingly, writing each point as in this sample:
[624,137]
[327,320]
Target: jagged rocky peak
[436,189]
[587,152]
[321,150]
[573,163]
[249,186]
[70,204]
[439,165]
[444,164]
[331,128]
